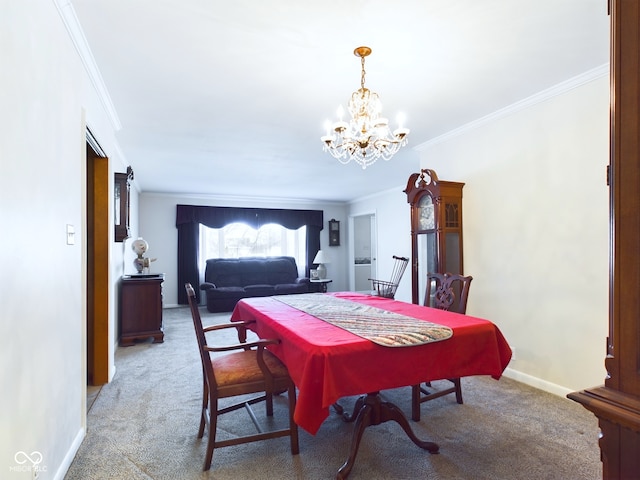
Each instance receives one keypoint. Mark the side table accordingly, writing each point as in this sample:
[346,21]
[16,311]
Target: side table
[141,308]
[319,284]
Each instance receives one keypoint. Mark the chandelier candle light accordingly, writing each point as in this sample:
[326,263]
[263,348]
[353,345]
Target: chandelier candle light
[367,136]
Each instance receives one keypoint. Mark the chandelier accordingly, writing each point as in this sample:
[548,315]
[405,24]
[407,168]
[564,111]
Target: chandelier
[367,136]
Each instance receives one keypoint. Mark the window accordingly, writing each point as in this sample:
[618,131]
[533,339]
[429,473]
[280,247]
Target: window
[240,240]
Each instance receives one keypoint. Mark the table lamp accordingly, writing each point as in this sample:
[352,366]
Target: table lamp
[320,259]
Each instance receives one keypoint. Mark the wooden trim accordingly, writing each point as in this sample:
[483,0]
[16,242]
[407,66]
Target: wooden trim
[617,403]
[99,197]
[623,361]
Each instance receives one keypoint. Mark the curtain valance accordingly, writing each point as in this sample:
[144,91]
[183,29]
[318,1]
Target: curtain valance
[218,217]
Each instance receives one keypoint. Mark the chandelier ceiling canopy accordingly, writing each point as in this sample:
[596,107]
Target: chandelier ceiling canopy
[367,136]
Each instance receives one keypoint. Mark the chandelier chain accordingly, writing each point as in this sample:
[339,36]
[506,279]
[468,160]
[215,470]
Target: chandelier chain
[363,73]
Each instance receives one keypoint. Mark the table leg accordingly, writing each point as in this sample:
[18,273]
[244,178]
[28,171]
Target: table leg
[360,403]
[371,410]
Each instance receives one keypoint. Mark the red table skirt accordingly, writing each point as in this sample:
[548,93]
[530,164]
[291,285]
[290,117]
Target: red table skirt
[327,362]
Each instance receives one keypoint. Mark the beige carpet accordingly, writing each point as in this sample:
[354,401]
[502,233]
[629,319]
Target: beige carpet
[143,425]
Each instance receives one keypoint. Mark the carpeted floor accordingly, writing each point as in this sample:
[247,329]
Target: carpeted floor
[143,425]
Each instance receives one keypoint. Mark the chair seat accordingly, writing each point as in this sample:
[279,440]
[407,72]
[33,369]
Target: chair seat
[237,370]
[242,367]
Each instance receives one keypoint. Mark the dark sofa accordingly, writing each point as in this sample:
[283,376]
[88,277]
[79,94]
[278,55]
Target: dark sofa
[227,280]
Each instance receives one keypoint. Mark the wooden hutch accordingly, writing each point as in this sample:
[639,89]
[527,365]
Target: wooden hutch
[617,402]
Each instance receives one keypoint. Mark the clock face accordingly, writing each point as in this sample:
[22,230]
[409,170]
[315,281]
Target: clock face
[426,215]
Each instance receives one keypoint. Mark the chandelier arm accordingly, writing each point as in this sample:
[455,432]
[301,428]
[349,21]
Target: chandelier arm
[367,137]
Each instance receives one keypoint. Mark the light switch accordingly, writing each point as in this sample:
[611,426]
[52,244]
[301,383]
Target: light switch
[71,235]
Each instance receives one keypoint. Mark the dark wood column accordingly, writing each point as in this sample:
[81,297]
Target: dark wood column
[617,402]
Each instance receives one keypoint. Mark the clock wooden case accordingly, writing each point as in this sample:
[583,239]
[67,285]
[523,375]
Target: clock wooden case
[436,228]
[121,204]
[334,233]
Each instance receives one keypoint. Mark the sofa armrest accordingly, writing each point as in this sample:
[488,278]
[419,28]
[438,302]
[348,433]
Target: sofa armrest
[302,280]
[207,286]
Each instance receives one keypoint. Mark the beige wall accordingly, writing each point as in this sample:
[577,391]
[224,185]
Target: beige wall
[535,231]
[393,230]
[46,101]
[158,228]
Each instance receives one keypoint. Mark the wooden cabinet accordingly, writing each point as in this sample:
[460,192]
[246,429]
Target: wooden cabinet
[617,402]
[141,308]
[436,228]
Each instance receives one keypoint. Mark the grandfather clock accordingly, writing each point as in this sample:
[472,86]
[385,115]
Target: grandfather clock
[436,228]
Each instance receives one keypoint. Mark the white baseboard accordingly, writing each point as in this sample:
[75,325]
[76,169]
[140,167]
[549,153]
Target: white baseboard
[537,382]
[71,454]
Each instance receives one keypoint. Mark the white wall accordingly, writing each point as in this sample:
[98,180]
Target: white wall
[393,231]
[46,100]
[158,228]
[535,218]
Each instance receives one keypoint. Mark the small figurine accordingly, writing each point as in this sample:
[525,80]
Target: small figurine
[140,246]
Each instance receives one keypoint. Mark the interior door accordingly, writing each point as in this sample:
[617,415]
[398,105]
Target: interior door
[99,234]
[363,252]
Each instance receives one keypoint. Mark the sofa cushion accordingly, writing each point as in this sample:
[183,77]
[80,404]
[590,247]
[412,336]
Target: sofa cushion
[225,274]
[286,288]
[225,292]
[252,272]
[281,270]
[259,290]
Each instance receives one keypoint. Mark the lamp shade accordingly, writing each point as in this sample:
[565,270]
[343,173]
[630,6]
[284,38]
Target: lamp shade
[321,257]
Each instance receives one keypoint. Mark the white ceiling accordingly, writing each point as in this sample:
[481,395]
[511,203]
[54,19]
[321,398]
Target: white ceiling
[230,98]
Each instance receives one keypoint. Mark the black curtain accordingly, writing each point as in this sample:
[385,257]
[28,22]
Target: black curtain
[189,218]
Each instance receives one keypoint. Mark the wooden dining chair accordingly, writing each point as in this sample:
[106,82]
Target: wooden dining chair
[239,369]
[446,291]
[387,288]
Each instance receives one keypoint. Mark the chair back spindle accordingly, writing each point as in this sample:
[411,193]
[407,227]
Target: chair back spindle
[388,288]
[447,291]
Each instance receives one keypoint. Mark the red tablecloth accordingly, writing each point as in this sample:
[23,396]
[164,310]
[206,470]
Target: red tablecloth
[327,362]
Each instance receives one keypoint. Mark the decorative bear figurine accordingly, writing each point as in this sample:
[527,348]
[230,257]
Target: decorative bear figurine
[140,246]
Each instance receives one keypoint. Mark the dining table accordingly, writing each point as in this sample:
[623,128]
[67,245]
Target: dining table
[342,344]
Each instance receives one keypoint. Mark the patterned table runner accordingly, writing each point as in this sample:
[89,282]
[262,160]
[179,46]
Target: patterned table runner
[383,327]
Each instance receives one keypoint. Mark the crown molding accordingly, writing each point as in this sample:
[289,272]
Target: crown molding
[371,196]
[559,89]
[242,199]
[70,20]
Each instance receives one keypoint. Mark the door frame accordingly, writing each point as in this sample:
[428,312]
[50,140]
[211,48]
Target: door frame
[99,235]
[374,247]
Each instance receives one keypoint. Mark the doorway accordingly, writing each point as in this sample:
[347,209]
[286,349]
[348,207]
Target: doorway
[362,251]
[98,244]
